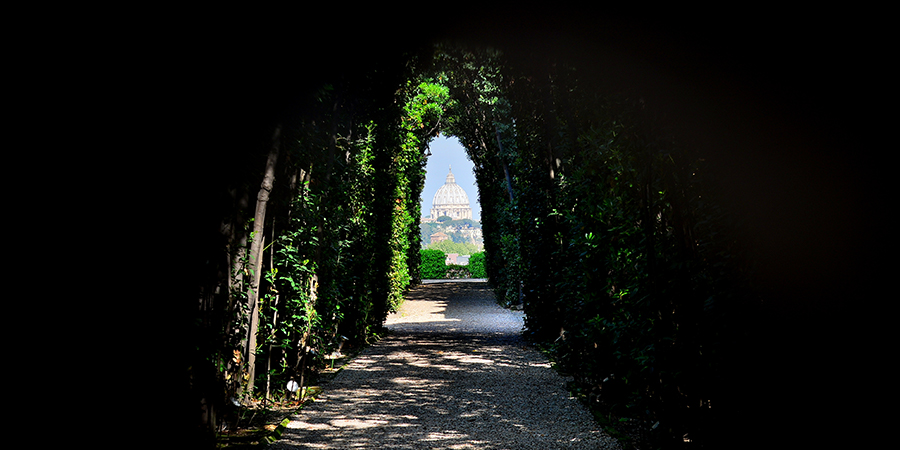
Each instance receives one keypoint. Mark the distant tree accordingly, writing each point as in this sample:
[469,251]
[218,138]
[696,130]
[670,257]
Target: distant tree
[427,229]
[463,222]
[443,219]
[458,238]
[448,246]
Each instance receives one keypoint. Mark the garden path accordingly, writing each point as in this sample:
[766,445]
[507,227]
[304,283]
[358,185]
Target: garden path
[454,373]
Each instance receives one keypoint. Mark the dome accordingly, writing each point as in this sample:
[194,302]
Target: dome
[451,200]
[450,194]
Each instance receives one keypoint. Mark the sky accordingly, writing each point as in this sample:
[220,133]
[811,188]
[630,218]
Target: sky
[447,152]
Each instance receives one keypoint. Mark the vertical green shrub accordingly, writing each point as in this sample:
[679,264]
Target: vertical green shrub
[433,264]
[476,265]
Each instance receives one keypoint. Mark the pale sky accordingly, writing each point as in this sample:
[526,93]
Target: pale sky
[446,152]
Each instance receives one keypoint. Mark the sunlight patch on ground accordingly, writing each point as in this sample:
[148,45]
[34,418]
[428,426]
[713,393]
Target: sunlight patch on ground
[424,318]
[358,423]
[468,445]
[444,435]
[426,311]
[469,359]
[304,425]
[419,382]
[547,365]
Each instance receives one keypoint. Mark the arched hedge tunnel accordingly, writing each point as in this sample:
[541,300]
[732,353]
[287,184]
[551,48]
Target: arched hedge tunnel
[658,209]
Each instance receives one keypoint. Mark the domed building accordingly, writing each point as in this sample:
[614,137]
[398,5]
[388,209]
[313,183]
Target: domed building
[451,200]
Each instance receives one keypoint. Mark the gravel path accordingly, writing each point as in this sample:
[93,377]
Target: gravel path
[454,374]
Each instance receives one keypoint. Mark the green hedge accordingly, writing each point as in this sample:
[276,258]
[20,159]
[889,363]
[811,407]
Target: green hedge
[433,264]
[476,265]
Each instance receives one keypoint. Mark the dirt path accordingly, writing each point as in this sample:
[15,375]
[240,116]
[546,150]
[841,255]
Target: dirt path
[455,374]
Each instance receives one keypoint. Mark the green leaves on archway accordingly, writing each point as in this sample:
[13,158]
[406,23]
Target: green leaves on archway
[593,219]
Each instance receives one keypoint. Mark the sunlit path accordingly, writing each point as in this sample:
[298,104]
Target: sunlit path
[454,374]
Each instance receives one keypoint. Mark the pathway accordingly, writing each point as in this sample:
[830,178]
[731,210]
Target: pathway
[454,374]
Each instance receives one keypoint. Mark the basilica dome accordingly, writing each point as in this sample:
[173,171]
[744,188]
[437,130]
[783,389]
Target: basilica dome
[451,200]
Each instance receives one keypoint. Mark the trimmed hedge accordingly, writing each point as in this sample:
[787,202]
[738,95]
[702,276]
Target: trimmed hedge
[476,265]
[433,264]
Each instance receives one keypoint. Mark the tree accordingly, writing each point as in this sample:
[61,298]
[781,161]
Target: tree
[427,229]
[448,246]
[462,222]
[255,265]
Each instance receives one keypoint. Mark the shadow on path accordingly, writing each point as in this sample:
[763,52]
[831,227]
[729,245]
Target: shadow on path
[455,374]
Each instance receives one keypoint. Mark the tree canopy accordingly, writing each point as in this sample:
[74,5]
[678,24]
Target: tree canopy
[448,246]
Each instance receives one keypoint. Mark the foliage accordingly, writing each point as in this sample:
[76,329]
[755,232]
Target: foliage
[596,219]
[462,223]
[457,271]
[476,265]
[593,219]
[433,264]
[426,102]
[448,246]
[342,239]
[459,238]
[427,229]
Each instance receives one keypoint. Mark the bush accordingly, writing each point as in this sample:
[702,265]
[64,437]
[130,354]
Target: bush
[457,271]
[476,265]
[433,264]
